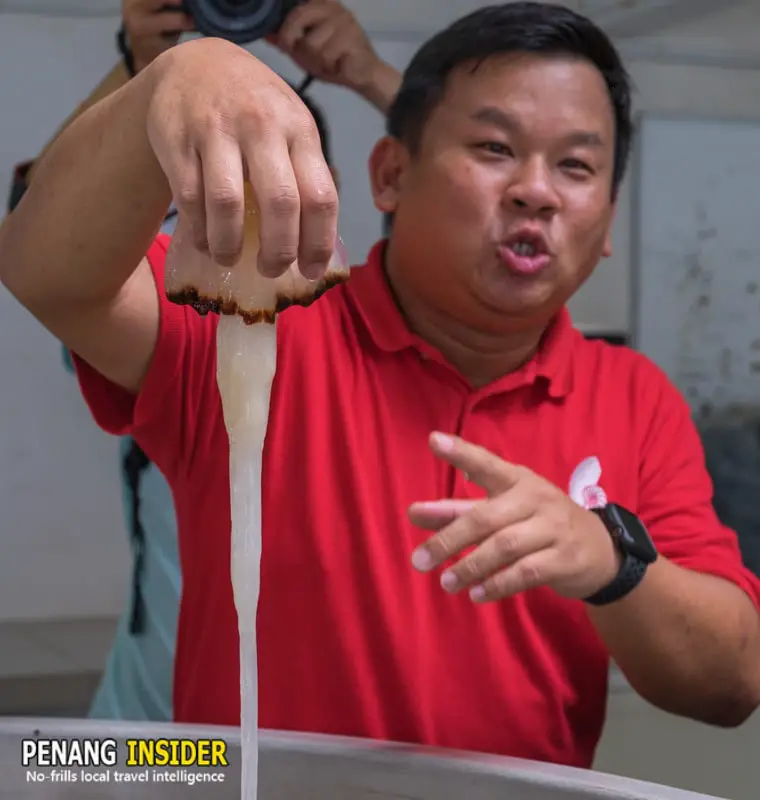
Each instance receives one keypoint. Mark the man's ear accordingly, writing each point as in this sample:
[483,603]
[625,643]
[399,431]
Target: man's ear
[607,251]
[387,167]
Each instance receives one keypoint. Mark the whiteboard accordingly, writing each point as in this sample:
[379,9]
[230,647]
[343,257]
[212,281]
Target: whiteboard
[696,282]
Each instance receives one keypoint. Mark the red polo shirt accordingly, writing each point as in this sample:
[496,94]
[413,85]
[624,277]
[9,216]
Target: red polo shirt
[352,640]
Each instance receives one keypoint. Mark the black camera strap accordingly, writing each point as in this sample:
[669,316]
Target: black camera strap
[134,465]
[122,43]
[304,85]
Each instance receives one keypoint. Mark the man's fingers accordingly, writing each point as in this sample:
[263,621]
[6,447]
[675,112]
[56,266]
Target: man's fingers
[276,191]
[498,552]
[471,527]
[481,467]
[249,127]
[300,20]
[160,23]
[150,6]
[333,52]
[224,199]
[319,206]
[315,39]
[188,193]
[537,569]
[435,515]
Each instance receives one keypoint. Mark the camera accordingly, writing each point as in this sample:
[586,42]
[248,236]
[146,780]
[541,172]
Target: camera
[239,21]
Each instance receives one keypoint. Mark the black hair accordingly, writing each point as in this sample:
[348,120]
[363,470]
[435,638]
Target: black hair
[520,27]
[321,122]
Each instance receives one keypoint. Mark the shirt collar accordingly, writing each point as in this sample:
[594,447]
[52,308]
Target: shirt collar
[372,298]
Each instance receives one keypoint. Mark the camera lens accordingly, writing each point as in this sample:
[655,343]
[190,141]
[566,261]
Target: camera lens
[239,21]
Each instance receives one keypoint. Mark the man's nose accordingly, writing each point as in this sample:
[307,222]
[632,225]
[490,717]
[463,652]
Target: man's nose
[532,189]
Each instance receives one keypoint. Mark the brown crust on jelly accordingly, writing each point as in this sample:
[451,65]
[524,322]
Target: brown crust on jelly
[205,304]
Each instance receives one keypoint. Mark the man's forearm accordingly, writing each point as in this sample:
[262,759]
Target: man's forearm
[687,642]
[96,201]
[383,87]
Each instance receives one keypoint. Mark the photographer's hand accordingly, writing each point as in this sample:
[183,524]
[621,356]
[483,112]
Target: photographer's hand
[326,40]
[152,29]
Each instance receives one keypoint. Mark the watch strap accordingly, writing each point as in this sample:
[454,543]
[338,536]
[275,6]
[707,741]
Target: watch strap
[629,576]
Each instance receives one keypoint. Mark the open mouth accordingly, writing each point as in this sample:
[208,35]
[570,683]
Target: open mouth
[527,243]
[525,252]
[523,248]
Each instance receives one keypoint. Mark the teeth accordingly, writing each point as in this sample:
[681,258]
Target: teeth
[523,249]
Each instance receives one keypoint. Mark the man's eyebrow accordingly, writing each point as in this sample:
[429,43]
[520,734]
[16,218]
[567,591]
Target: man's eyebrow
[498,118]
[510,124]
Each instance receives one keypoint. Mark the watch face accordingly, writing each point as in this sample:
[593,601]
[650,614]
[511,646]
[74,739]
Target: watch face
[631,533]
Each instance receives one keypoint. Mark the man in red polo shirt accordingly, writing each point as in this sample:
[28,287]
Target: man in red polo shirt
[464,591]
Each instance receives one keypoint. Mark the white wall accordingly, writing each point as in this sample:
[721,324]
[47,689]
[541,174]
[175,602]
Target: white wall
[63,548]
[645,743]
[678,72]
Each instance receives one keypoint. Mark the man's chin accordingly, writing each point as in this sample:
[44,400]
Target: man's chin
[523,300]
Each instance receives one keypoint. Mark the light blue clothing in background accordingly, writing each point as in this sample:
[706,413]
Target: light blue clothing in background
[139,673]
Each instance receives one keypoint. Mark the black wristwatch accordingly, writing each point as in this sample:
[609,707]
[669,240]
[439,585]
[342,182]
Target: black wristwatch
[635,544]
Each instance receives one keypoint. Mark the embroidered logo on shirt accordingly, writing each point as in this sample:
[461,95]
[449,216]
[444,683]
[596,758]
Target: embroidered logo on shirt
[584,484]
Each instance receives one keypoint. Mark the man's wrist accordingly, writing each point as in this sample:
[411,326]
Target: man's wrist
[611,556]
[630,553]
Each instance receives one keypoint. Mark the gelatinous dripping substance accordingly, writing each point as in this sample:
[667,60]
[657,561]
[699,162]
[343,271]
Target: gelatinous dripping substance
[248,305]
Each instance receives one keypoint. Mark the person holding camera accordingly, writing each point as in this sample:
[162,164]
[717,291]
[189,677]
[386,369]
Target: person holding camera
[325,40]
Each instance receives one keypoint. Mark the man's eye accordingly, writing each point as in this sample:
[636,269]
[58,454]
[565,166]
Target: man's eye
[576,164]
[497,148]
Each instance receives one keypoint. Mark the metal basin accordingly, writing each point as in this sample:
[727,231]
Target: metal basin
[292,767]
